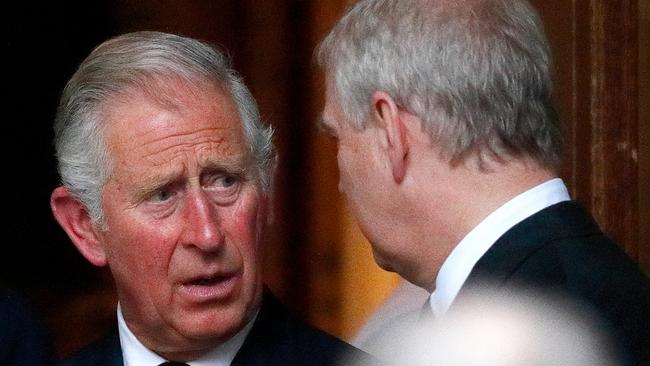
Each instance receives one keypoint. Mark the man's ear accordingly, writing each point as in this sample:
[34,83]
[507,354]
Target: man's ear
[74,218]
[389,116]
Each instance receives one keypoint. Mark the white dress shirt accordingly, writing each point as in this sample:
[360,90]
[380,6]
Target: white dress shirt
[459,264]
[135,353]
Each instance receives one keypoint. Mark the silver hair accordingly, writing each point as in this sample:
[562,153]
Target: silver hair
[476,72]
[139,62]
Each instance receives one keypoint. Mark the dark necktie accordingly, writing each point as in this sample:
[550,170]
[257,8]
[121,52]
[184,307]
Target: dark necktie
[173,363]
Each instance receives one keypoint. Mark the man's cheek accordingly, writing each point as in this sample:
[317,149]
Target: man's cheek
[245,216]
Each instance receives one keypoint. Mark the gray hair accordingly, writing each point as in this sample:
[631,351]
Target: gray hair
[476,72]
[137,62]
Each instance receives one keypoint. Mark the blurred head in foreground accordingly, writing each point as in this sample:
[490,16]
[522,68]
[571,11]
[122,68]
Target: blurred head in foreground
[504,330]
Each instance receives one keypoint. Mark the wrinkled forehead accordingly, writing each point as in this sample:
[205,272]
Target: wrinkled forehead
[167,91]
[171,111]
[173,94]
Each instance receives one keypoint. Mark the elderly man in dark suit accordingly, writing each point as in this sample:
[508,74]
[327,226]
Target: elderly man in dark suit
[448,151]
[166,171]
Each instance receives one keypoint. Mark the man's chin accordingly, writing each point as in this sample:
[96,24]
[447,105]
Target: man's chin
[217,321]
[192,341]
[381,261]
[213,327]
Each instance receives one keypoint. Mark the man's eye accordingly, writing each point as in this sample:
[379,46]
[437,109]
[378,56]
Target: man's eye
[162,195]
[223,181]
[227,181]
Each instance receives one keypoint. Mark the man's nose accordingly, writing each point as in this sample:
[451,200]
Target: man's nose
[202,228]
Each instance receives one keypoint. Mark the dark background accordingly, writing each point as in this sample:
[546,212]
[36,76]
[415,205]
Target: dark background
[41,48]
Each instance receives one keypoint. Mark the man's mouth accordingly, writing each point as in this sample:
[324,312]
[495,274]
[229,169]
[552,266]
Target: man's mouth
[216,287]
[207,281]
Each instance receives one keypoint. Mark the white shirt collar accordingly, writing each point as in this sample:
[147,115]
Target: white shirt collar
[459,264]
[135,353]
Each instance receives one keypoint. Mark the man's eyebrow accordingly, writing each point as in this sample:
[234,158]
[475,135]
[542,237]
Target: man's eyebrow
[325,127]
[225,167]
[154,184]
[162,179]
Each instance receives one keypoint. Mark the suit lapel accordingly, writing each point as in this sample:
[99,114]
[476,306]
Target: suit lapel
[114,354]
[264,344]
[109,351]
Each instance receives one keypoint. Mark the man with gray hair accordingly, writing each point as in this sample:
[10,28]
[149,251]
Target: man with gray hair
[166,171]
[448,151]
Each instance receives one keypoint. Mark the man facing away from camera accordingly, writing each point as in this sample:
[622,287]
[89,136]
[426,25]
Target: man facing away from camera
[166,171]
[448,151]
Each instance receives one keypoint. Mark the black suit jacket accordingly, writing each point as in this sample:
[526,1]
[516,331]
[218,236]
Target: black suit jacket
[24,340]
[561,250]
[276,338]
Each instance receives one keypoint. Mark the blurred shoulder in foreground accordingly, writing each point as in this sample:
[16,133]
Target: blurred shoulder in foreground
[498,329]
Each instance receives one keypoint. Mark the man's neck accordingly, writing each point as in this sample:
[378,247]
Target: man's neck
[455,208]
[136,353]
